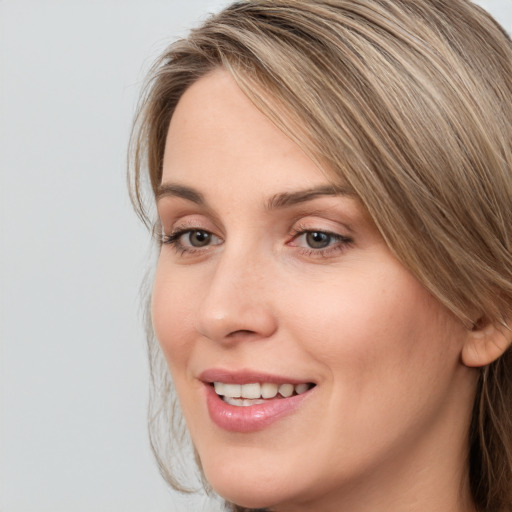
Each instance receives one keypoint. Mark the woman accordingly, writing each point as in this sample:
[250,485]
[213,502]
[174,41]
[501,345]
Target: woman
[334,283]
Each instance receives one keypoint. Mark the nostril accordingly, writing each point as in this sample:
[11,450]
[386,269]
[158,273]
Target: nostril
[240,332]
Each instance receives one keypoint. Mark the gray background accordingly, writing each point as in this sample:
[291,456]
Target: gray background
[73,374]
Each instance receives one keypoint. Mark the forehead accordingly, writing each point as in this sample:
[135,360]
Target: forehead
[217,133]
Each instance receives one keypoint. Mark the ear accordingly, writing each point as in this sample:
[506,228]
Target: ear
[485,343]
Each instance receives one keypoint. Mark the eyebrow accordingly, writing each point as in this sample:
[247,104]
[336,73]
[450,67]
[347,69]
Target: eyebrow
[287,199]
[174,190]
[277,201]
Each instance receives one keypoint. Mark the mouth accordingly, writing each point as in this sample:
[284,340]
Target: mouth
[255,393]
[248,401]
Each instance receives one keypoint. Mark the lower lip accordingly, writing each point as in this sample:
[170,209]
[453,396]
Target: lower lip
[251,418]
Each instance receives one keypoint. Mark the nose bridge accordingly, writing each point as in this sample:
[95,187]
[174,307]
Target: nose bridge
[237,302]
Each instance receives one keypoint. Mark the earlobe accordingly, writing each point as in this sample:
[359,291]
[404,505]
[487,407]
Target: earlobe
[485,343]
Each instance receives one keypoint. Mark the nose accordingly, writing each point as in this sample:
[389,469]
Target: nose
[237,303]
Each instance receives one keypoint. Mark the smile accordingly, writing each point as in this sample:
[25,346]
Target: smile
[250,401]
[245,395]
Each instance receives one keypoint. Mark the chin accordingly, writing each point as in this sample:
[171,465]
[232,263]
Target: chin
[250,496]
[249,490]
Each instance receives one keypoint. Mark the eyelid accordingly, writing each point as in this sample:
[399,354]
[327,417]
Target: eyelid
[322,224]
[174,211]
[192,221]
[336,236]
[338,242]
[175,236]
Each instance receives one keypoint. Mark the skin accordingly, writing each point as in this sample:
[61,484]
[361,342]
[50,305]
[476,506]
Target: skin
[385,427]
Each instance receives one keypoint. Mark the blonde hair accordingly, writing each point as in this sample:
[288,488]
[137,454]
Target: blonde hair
[409,102]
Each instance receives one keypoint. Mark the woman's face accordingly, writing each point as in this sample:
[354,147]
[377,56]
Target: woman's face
[272,283]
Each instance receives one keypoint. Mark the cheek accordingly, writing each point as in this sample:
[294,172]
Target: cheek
[172,304]
[376,330]
[350,314]
[381,348]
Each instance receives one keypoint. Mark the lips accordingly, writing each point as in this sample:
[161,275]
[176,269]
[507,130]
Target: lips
[248,401]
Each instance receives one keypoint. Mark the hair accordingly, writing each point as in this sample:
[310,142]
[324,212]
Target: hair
[409,102]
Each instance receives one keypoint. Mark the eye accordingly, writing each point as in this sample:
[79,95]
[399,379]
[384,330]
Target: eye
[189,240]
[316,243]
[198,238]
[317,239]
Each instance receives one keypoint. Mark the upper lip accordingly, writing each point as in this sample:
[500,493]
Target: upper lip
[246,377]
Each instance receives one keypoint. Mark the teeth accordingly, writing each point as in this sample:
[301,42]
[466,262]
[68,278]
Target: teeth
[242,402]
[301,388]
[269,390]
[251,390]
[286,390]
[233,390]
[254,391]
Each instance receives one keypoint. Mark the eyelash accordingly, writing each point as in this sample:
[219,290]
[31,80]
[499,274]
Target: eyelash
[174,241]
[341,242]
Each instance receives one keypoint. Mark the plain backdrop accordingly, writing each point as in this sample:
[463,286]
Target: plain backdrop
[73,372]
